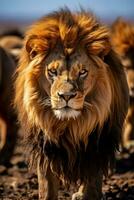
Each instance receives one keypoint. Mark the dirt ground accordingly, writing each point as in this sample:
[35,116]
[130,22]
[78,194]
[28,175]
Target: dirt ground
[17,183]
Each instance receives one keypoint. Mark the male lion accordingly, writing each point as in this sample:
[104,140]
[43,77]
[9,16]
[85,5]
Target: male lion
[72,98]
[123,42]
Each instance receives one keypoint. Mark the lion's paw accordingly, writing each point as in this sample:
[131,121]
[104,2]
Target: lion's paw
[78,196]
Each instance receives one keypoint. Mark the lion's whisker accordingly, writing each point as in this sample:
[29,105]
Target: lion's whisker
[88,105]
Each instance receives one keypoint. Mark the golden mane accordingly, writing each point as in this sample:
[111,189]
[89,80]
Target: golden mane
[40,113]
[73,30]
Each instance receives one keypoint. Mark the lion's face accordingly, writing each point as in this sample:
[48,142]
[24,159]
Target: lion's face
[70,80]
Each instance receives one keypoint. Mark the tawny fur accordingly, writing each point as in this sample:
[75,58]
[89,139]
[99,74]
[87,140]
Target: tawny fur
[78,147]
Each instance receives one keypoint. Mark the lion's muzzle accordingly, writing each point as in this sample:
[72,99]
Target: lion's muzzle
[65,104]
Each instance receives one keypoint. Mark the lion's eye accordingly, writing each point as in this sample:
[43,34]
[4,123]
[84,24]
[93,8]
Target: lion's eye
[52,72]
[83,73]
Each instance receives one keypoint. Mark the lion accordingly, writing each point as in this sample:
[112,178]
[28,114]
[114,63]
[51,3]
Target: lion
[123,43]
[71,96]
[8,126]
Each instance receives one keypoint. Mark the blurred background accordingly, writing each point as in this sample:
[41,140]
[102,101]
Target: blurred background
[23,12]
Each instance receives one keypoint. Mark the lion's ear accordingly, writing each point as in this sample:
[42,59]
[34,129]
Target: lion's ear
[104,51]
[31,48]
[35,46]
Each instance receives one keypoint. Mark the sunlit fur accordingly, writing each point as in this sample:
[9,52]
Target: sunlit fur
[123,43]
[68,42]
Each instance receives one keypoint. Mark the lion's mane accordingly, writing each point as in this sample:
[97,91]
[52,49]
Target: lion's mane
[71,147]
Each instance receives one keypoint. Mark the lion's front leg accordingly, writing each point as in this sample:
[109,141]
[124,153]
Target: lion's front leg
[48,185]
[90,190]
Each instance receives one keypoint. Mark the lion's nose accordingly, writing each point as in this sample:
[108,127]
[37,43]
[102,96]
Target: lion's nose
[67,96]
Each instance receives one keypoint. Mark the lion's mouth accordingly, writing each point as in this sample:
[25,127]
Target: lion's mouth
[66,113]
